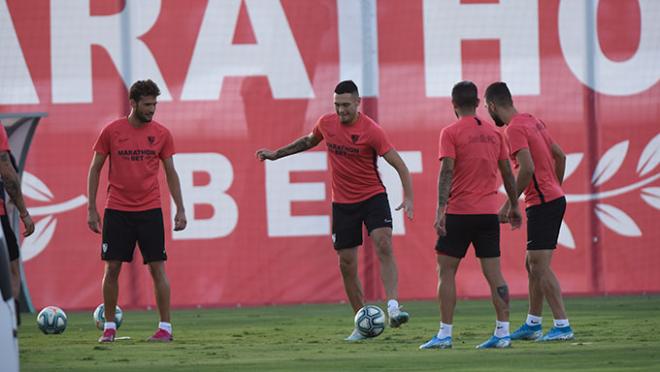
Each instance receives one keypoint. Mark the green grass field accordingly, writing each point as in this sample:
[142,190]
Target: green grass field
[612,333]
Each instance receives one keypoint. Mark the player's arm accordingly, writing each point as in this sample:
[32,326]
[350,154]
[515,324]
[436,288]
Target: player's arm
[93,218]
[510,212]
[301,144]
[175,190]
[13,188]
[444,187]
[394,159]
[560,161]
[525,170]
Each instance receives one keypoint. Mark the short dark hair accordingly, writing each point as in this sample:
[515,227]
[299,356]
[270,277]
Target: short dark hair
[143,88]
[499,94]
[347,86]
[464,95]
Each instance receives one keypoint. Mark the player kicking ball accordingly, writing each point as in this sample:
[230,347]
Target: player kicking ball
[354,141]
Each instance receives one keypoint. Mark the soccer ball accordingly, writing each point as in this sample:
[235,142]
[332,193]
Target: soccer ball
[370,321]
[99,316]
[51,320]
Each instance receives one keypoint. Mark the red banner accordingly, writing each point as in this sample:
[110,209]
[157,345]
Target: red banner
[240,75]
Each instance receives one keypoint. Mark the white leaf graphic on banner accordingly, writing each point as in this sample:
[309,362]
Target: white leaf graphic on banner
[610,163]
[37,242]
[572,162]
[651,196]
[650,156]
[566,236]
[34,188]
[617,220]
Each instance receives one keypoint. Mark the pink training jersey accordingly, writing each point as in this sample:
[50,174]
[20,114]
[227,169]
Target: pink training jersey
[353,151]
[527,132]
[4,146]
[135,155]
[476,146]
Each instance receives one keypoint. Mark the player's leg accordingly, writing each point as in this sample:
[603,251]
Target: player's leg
[382,239]
[14,261]
[450,249]
[540,261]
[111,289]
[151,240]
[348,266]
[499,291]
[486,241]
[15,273]
[346,238]
[535,294]
[118,243]
[446,293]
[8,340]
[531,329]
[378,220]
[544,223]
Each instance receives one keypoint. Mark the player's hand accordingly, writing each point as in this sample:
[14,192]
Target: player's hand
[407,206]
[94,221]
[180,221]
[440,222]
[29,225]
[265,154]
[514,217]
[503,214]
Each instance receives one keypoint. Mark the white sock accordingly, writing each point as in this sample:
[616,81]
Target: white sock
[445,330]
[166,326]
[109,325]
[533,320]
[559,323]
[393,307]
[501,329]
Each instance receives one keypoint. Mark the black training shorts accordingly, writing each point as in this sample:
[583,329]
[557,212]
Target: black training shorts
[347,220]
[122,229]
[10,238]
[482,230]
[543,224]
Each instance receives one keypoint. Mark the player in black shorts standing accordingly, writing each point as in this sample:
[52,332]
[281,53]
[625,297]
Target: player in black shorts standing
[541,164]
[471,151]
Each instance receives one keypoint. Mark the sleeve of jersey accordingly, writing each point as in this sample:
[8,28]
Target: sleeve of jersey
[380,142]
[168,147]
[4,141]
[517,139]
[446,146]
[317,130]
[504,146]
[102,144]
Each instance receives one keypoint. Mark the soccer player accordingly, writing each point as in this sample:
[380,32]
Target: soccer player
[135,146]
[471,151]
[8,344]
[354,141]
[541,163]
[12,248]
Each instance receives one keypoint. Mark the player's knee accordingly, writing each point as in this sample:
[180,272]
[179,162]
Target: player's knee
[383,246]
[112,271]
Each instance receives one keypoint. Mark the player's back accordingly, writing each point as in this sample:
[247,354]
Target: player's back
[526,131]
[477,146]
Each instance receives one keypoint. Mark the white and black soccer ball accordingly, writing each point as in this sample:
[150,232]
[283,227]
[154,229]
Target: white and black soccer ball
[99,316]
[370,321]
[51,320]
